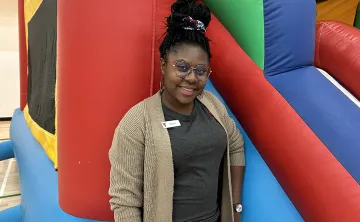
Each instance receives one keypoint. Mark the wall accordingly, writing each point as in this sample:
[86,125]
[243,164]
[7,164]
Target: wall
[9,58]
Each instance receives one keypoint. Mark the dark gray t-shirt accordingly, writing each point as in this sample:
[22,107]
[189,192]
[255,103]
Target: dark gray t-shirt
[198,146]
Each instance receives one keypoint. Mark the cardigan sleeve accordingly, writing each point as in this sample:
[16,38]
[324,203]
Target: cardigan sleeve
[236,142]
[127,163]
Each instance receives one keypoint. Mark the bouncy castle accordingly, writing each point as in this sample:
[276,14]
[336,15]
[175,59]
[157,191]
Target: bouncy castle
[291,84]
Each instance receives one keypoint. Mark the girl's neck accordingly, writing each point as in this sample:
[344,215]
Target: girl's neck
[173,104]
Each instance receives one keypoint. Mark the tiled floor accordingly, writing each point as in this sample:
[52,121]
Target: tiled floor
[9,177]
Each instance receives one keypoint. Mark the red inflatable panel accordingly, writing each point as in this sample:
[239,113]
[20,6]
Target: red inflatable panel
[338,53]
[22,55]
[320,188]
[105,64]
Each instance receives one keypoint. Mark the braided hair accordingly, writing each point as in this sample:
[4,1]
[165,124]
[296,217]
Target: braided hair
[186,24]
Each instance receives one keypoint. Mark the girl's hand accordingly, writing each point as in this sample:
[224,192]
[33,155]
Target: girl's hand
[237,217]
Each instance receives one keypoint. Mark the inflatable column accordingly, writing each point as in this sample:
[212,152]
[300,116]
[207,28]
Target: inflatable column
[105,64]
[107,59]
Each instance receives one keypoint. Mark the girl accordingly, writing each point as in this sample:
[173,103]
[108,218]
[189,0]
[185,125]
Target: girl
[178,156]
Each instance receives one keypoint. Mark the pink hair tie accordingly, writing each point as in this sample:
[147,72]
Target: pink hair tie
[198,24]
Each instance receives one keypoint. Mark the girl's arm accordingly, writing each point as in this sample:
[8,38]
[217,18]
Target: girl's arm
[237,161]
[237,177]
[127,163]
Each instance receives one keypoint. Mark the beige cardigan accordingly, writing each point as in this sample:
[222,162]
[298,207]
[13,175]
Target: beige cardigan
[142,175]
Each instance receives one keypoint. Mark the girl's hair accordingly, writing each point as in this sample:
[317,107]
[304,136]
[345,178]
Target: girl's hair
[186,24]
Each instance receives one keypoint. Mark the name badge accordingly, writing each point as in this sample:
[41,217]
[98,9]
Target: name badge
[171,124]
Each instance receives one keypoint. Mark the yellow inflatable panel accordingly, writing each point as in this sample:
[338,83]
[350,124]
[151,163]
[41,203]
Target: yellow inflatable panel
[30,8]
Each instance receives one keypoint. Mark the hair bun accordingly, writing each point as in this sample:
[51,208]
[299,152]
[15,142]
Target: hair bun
[183,8]
[182,5]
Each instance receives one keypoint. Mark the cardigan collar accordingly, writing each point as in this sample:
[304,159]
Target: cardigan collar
[155,105]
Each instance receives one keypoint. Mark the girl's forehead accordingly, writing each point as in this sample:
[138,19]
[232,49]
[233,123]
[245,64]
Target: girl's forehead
[188,52]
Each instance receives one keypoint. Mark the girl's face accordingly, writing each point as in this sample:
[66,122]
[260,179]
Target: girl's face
[185,72]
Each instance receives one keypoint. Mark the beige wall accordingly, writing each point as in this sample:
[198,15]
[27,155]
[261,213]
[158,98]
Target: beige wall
[9,58]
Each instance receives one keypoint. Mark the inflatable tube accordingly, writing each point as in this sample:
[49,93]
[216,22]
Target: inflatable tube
[263,198]
[12,214]
[288,146]
[6,150]
[337,52]
[332,116]
[38,179]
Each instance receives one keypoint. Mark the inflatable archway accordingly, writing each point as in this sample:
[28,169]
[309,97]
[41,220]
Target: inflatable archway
[271,68]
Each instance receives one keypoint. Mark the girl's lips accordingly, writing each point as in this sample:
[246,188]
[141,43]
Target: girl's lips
[187,91]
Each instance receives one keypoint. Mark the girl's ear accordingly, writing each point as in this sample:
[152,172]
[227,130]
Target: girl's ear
[162,65]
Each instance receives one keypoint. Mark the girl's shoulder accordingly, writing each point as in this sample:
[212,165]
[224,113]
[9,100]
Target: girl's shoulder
[133,119]
[210,98]
[136,116]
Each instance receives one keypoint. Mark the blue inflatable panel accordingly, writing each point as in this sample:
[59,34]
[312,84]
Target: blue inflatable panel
[289,27]
[38,179]
[12,214]
[6,150]
[332,116]
[263,198]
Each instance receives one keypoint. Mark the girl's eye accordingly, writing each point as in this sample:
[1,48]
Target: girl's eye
[199,72]
[182,67]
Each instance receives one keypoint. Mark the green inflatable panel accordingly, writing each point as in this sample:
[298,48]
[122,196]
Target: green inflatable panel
[244,19]
[357,17]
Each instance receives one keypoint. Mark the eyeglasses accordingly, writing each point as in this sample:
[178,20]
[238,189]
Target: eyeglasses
[183,69]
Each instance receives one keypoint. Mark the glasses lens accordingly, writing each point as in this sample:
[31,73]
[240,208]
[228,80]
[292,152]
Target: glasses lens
[202,72]
[183,68]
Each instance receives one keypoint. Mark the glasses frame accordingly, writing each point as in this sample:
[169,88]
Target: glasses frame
[192,68]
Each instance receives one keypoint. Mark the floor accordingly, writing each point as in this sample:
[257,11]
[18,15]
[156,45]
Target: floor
[9,178]
[339,10]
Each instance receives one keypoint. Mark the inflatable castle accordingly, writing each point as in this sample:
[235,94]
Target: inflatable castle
[291,84]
